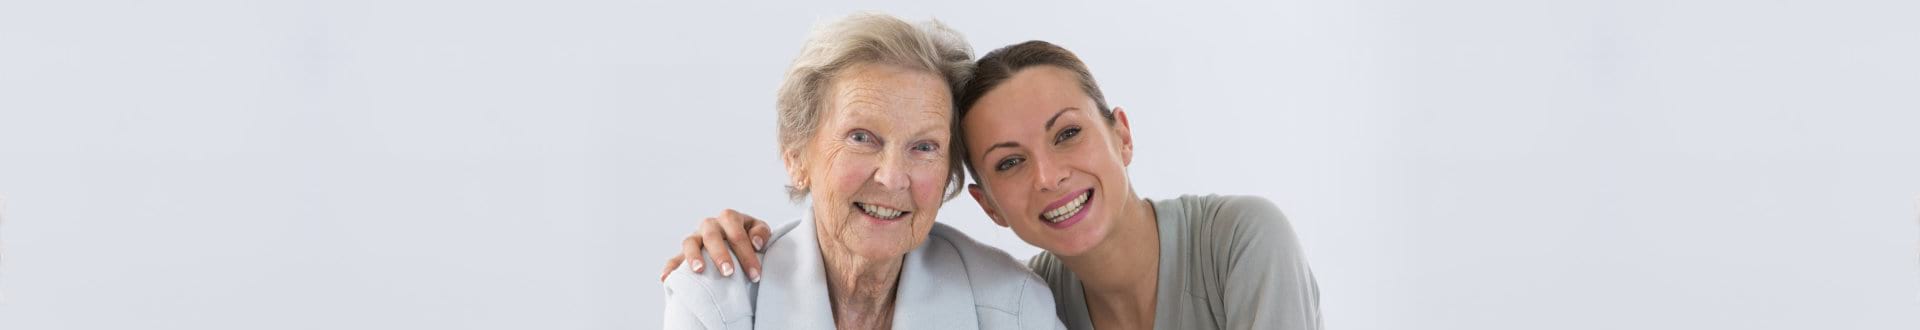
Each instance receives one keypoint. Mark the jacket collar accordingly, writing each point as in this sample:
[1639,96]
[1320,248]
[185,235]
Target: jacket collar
[933,291]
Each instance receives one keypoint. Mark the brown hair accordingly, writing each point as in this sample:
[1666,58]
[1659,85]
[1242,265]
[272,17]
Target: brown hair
[1001,64]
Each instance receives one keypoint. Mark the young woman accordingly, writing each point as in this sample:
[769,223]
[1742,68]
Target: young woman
[1049,157]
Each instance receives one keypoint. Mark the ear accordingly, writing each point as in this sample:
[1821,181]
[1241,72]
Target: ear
[1124,131]
[980,196]
[796,173]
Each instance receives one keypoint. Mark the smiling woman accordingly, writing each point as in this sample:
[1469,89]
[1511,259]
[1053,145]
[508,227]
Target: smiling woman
[880,150]
[1053,167]
[866,134]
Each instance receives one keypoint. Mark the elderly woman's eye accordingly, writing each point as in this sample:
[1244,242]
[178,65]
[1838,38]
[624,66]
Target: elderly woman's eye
[1065,134]
[860,136]
[1007,163]
[926,147]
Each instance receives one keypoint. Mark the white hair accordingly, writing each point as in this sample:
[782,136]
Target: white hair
[862,38]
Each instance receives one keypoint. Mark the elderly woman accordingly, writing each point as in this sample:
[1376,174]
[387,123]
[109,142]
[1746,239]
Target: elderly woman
[867,126]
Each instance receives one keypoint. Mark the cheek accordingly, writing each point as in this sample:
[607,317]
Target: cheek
[1012,200]
[929,182]
[842,176]
[1100,159]
[1108,174]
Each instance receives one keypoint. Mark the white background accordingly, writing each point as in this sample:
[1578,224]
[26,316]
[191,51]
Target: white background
[1480,164]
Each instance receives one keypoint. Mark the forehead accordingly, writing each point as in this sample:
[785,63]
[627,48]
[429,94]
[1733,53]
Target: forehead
[1024,102]
[890,90]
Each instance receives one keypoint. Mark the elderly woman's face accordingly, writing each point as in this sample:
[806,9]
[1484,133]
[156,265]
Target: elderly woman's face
[878,164]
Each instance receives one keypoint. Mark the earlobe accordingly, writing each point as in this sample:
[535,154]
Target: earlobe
[980,196]
[796,174]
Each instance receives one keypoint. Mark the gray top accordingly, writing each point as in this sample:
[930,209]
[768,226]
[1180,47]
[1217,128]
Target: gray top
[948,282]
[1226,262]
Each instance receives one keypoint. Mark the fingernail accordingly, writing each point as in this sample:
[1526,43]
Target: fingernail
[726,269]
[759,244]
[753,275]
[698,266]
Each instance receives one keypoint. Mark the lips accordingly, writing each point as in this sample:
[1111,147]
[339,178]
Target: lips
[1068,210]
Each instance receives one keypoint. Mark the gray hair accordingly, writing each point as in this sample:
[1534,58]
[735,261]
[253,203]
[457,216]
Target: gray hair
[863,38]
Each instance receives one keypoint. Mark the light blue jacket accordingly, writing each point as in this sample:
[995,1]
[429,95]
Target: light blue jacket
[949,282]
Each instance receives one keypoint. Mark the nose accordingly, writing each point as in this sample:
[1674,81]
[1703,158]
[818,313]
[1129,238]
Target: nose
[892,174]
[1049,174]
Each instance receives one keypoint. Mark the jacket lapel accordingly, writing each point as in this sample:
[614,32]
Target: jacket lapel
[793,290]
[934,291]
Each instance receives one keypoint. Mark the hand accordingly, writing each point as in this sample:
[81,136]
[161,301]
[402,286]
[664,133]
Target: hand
[723,236]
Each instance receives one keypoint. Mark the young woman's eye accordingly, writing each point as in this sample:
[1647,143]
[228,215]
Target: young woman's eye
[1065,134]
[860,136]
[926,147]
[1008,163]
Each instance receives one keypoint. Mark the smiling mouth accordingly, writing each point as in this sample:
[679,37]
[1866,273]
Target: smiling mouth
[880,212]
[1069,209]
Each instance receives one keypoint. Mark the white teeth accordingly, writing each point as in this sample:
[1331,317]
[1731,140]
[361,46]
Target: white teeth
[880,212]
[1063,211]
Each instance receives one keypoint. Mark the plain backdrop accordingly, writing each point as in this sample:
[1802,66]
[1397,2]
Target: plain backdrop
[438,164]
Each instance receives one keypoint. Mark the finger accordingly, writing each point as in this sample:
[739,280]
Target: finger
[714,238]
[756,229]
[735,225]
[672,263]
[760,233]
[690,253]
[738,227]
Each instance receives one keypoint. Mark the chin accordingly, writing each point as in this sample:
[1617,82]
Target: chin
[889,243]
[1084,237]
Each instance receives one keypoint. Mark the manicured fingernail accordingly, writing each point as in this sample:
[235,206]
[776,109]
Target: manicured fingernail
[726,269]
[698,266]
[753,275]
[759,244]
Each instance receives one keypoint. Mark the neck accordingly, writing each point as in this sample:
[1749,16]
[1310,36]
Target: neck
[1121,275]
[861,289]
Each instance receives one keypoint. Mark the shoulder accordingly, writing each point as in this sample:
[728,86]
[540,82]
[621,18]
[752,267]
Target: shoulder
[998,281]
[1235,217]
[1266,279]
[782,230]
[1230,208]
[707,300]
[989,269]
[1239,228]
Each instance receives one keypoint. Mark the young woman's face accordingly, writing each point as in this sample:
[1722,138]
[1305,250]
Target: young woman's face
[1051,167]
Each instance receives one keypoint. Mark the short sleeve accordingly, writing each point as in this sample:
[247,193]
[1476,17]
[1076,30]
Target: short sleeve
[1269,285]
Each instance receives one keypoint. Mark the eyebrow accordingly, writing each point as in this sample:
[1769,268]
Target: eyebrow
[1011,144]
[1008,144]
[1056,116]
